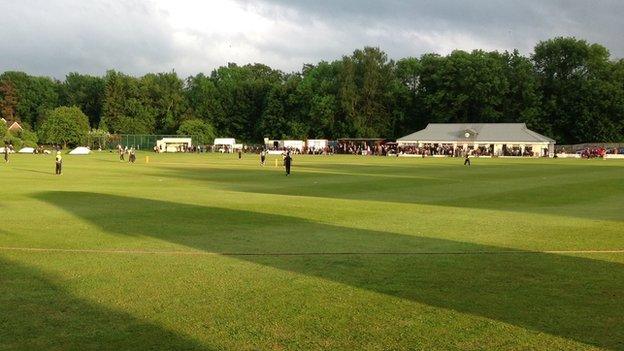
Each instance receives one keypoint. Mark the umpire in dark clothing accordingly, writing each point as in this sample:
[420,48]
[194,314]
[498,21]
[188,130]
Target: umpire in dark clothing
[287,163]
[467,159]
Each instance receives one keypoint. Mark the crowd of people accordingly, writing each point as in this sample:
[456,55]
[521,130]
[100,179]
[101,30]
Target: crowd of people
[594,152]
[382,149]
[590,152]
[430,150]
[313,150]
[365,148]
[386,149]
[184,148]
[318,150]
[441,150]
[452,151]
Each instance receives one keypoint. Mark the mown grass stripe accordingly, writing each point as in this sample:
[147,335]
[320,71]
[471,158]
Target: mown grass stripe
[209,253]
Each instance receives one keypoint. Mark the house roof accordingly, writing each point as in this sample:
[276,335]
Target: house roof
[11,125]
[477,132]
[15,126]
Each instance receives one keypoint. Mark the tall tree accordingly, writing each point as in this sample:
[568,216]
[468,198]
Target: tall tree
[35,95]
[8,100]
[163,95]
[275,123]
[522,101]
[125,109]
[374,76]
[407,114]
[86,92]
[568,89]
[203,99]
[317,99]
[581,97]
[243,92]
[464,87]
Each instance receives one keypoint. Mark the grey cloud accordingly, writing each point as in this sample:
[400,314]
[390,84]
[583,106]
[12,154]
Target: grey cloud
[499,23]
[55,37]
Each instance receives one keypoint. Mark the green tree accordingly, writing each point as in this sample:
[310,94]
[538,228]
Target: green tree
[34,95]
[4,129]
[464,87]
[162,94]
[275,124]
[86,92]
[203,133]
[203,100]
[243,92]
[64,125]
[27,137]
[365,93]
[568,89]
[98,137]
[521,102]
[580,91]
[8,100]
[407,115]
[322,113]
[374,77]
[318,103]
[126,110]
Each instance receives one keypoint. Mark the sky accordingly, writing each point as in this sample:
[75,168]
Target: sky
[55,37]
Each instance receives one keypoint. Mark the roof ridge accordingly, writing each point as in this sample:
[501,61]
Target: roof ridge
[493,123]
[485,132]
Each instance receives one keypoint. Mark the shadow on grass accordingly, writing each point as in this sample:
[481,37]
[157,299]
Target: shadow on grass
[36,171]
[36,314]
[575,298]
[543,190]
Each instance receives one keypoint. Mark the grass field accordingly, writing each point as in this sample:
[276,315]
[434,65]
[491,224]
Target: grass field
[208,252]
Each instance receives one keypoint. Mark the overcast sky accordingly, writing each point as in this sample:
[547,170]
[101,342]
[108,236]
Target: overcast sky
[54,37]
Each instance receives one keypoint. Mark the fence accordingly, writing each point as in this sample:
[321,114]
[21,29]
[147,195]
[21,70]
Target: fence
[138,141]
[579,147]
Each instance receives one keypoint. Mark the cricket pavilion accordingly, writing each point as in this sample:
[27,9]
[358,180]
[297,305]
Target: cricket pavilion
[496,139]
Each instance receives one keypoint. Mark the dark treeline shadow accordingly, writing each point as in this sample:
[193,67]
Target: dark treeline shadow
[36,314]
[575,298]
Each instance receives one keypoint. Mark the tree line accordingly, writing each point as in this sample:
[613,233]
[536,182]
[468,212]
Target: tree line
[567,88]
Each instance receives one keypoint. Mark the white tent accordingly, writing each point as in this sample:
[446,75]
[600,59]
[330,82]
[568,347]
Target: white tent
[81,150]
[294,144]
[271,144]
[317,143]
[173,144]
[225,144]
[27,150]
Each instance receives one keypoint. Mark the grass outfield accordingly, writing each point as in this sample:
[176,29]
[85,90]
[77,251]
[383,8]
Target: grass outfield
[208,252]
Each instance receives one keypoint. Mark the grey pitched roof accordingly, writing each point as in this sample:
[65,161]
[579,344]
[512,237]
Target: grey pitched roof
[486,132]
